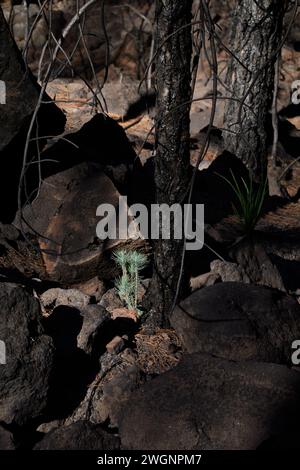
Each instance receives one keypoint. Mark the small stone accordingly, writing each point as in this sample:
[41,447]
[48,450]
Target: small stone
[95,319]
[69,297]
[110,300]
[124,313]
[119,95]
[229,272]
[47,427]
[204,280]
[116,345]
[94,288]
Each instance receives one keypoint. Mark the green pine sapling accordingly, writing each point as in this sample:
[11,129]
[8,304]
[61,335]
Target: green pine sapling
[131,263]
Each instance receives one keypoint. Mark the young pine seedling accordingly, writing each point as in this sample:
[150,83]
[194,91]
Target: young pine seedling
[131,263]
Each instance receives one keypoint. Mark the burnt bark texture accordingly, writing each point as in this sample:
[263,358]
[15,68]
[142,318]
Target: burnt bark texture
[255,39]
[173,86]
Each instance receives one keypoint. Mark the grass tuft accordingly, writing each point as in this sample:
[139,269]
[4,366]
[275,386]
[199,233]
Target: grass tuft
[250,200]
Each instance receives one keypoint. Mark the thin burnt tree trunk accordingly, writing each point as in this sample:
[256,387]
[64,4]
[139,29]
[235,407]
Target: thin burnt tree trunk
[173,85]
[255,39]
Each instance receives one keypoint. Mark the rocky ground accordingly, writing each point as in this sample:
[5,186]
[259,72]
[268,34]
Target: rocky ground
[81,372]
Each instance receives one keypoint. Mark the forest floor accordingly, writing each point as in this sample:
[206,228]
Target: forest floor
[83,372]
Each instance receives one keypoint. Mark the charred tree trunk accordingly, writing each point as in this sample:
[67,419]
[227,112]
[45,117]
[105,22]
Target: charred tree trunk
[257,29]
[173,85]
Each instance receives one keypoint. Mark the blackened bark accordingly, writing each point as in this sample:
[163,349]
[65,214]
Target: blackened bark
[256,35]
[173,84]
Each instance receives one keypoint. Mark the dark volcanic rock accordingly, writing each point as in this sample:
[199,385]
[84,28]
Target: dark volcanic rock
[24,379]
[209,403]
[6,440]
[100,141]
[95,319]
[64,214]
[238,321]
[119,376]
[81,435]
[253,260]
[68,297]
[22,94]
